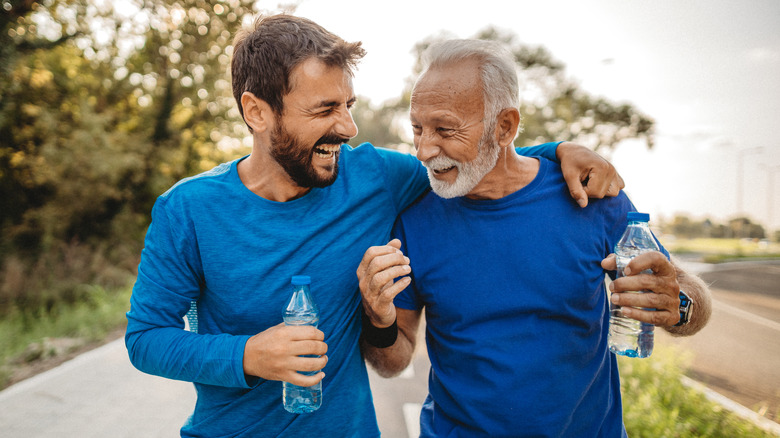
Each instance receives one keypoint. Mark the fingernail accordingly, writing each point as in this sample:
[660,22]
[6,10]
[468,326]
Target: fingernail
[406,259]
[626,271]
[612,287]
[583,203]
[615,298]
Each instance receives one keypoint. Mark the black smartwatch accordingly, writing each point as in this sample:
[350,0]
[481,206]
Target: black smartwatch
[686,309]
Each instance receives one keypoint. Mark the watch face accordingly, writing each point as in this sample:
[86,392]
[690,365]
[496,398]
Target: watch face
[685,309]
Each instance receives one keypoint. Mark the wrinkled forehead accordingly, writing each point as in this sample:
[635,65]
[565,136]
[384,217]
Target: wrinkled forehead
[453,88]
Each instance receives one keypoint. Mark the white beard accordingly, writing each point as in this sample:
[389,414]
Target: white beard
[469,174]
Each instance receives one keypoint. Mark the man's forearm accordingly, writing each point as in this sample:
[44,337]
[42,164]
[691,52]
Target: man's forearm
[697,290]
[389,361]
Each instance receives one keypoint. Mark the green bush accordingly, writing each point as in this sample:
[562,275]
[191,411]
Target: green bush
[656,403]
[28,336]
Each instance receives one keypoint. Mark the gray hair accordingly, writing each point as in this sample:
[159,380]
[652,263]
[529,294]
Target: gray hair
[497,67]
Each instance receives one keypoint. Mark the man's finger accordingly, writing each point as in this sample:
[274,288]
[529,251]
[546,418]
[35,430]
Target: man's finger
[383,266]
[304,333]
[598,184]
[386,276]
[615,186]
[609,263]
[299,379]
[577,191]
[377,251]
[659,318]
[399,285]
[646,282]
[647,300]
[619,183]
[308,347]
[302,363]
[654,261]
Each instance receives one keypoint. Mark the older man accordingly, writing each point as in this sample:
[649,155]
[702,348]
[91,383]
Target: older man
[509,270]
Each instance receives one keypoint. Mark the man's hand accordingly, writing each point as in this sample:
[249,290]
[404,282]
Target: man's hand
[380,266]
[662,286]
[275,354]
[587,174]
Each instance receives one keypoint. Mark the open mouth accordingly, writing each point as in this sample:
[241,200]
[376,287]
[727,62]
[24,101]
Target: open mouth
[326,151]
[442,170]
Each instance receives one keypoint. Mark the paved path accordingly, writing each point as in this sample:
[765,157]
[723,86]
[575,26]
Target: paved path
[97,394]
[100,394]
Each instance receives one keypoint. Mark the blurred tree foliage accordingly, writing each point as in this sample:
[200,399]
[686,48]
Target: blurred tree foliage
[553,107]
[102,107]
[739,227]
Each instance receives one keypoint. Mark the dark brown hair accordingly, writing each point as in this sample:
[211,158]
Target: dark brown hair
[264,56]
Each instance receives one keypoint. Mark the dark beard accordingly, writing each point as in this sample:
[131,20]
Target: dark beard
[296,159]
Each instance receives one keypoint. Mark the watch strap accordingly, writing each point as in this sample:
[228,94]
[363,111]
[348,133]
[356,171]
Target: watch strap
[686,306]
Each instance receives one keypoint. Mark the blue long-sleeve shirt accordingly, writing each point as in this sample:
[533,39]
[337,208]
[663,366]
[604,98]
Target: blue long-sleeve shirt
[214,242]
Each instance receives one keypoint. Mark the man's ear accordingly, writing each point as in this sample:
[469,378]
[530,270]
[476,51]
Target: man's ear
[257,113]
[507,124]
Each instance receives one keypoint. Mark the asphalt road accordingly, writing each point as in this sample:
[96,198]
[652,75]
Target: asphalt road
[99,394]
[738,353]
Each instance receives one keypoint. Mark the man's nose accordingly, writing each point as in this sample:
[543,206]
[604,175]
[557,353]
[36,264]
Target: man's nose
[345,126]
[426,147]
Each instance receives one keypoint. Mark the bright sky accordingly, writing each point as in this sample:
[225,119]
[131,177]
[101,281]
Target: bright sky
[708,72]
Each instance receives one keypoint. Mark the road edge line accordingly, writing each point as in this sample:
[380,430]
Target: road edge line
[731,405]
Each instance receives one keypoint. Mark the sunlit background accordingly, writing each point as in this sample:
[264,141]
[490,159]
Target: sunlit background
[106,104]
[708,73]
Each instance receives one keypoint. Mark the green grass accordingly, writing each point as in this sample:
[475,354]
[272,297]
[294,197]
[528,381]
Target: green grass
[657,404]
[89,320]
[719,250]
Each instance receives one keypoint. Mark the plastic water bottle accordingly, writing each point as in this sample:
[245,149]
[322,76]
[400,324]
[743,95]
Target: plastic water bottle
[301,310]
[629,337]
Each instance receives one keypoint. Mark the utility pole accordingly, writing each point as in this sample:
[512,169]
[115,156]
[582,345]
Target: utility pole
[740,159]
[770,194]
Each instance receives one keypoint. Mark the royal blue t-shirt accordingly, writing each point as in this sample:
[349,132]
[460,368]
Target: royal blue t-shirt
[516,311]
[214,242]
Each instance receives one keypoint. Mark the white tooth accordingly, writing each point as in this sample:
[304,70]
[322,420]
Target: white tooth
[329,148]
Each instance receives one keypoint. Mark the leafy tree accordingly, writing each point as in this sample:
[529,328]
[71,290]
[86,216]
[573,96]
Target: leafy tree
[740,227]
[553,107]
[379,125]
[102,107]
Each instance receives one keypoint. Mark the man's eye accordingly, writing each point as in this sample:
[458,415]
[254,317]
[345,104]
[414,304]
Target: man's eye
[417,129]
[445,131]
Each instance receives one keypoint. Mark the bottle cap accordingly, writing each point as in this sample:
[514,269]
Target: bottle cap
[301,279]
[635,216]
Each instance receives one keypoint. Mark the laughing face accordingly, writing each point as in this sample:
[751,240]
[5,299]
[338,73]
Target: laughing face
[453,140]
[468,174]
[297,158]
[315,122]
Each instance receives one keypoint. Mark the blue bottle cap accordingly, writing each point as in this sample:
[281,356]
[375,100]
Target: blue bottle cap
[635,216]
[301,279]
